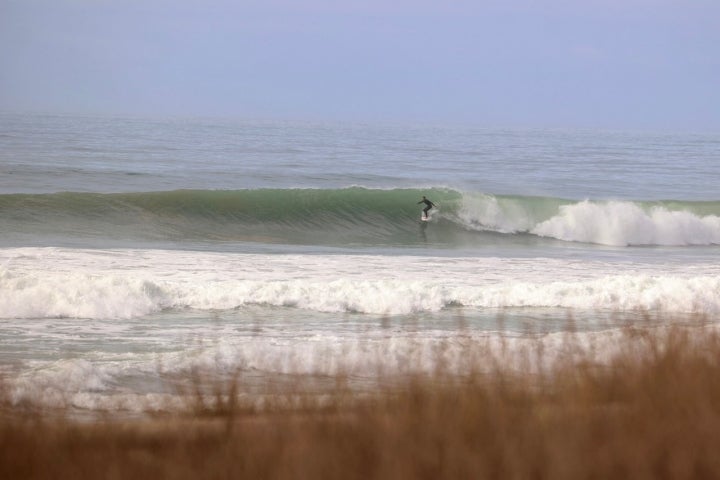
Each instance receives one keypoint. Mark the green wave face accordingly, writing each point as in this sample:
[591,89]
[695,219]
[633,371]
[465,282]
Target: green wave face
[276,205]
[357,216]
[307,216]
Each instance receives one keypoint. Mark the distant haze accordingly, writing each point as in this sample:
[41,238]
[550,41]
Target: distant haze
[638,64]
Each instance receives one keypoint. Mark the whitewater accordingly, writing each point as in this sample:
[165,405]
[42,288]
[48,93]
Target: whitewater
[132,249]
[89,284]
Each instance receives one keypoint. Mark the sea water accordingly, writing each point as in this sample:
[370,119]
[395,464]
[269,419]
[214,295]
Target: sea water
[132,249]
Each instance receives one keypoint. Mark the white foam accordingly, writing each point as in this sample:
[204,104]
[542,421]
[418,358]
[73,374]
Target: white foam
[486,212]
[626,223]
[55,383]
[364,358]
[613,223]
[77,295]
[55,283]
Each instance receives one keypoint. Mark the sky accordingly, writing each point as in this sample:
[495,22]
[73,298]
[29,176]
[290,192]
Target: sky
[633,64]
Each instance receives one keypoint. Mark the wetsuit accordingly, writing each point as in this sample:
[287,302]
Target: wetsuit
[428,206]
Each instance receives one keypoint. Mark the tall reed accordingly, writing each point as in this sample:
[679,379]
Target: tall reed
[649,410]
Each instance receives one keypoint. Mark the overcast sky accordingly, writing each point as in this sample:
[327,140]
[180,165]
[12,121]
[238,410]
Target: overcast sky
[639,64]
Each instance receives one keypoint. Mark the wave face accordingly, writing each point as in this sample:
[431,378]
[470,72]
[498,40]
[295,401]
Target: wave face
[356,216]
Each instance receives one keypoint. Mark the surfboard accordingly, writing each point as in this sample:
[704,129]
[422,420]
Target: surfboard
[423,219]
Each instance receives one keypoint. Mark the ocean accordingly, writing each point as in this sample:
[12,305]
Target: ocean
[133,251]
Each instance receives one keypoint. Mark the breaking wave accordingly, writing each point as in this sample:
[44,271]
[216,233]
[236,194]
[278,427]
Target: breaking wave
[357,216]
[93,296]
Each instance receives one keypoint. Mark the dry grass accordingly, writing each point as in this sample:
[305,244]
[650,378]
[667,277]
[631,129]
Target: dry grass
[651,411]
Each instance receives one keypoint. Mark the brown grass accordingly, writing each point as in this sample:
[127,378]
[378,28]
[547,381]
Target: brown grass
[651,411]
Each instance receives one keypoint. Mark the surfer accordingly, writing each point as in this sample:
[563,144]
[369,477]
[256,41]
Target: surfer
[428,206]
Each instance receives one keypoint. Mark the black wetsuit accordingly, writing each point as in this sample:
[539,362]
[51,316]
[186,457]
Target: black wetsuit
[428,206]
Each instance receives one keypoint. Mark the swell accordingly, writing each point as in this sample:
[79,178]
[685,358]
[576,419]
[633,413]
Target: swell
[357,216]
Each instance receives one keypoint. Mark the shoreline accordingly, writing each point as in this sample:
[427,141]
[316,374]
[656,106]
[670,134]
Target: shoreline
[651,411]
